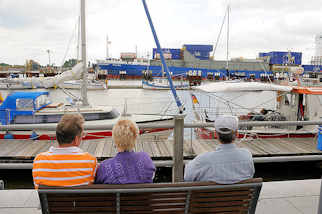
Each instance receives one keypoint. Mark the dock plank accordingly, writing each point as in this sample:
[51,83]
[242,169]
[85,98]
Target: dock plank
[6,146]
[155,149]
[269,147]
[20,146]
[169,145]
[113,150]
[107,148]
[254,148]
[84,145]
[28,151]
[158,147]
[197,148]
[99,149]
[92,147]
[164,152]
[147,148]
[252,145]
[187,148]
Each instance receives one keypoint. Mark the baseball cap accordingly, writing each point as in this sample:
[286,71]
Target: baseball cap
[228,122]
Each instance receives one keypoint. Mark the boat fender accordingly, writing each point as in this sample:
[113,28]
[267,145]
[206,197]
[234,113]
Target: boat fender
[34,136]
[8,136]
[319,144]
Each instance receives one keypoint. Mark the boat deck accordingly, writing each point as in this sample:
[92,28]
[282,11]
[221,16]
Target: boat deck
[160,147]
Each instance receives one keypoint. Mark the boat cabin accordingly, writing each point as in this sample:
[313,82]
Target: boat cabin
[21,104]
[302,103]
[35,108]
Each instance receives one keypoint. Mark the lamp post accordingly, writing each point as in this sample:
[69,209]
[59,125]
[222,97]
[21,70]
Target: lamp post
[48,51]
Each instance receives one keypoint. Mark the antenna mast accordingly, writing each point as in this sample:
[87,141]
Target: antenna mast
[227,62]
[107,47]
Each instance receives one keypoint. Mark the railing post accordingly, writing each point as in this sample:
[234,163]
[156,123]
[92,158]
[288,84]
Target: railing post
[177,170]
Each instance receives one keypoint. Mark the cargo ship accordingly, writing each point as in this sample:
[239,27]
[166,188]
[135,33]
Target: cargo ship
[193,62]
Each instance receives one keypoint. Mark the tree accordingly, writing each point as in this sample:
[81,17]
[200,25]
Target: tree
[70,63]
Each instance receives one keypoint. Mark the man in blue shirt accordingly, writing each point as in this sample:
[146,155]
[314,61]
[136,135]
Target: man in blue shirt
[227,164]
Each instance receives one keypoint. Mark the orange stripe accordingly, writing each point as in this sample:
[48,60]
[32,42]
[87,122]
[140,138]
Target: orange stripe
[64,183]
[63,165]
[62,174]
[86,156]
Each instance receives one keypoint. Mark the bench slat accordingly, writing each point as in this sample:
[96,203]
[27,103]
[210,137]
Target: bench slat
[83,204]
[52,198]
[217,209]
[220,204]
[233,198]
[221,194]
[168,201]
[81,209]
[169,211]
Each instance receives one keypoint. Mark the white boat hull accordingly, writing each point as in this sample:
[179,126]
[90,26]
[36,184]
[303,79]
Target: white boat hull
[163,84]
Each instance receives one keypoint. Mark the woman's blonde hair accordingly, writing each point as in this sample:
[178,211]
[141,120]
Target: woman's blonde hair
[124,134]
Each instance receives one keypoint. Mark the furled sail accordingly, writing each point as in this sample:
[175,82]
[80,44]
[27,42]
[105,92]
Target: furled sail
[49,82]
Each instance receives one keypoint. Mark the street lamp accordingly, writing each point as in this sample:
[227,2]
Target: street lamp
[48,51]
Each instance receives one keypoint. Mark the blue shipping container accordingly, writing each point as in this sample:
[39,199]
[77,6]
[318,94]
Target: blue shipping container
[175,53]
[262,54]
[208,48]
[316,68]
[203,55]
[283,57]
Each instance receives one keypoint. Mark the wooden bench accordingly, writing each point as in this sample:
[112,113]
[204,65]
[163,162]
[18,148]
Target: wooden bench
[162,198]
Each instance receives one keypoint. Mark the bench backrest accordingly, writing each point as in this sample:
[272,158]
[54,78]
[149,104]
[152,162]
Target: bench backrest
[173,198]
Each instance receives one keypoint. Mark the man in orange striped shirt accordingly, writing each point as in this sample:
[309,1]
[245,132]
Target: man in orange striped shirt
[67,164]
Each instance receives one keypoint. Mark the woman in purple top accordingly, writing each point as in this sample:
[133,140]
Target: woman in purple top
[127,167]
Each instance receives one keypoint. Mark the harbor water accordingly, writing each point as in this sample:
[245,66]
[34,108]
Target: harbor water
[161,102]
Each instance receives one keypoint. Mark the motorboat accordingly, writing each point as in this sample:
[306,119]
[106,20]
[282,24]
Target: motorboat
[163,84]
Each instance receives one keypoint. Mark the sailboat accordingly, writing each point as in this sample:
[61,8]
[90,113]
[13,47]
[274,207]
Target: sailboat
[32,109]
[293,103]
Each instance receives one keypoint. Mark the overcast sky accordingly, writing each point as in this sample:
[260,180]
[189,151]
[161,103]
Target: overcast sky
[29,28]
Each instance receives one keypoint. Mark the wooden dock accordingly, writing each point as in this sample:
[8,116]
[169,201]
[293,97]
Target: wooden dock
[160,148]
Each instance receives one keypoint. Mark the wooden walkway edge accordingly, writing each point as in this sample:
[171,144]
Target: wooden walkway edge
[161,148]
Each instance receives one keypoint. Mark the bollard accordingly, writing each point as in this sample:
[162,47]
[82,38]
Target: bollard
[8,136]
[319,145]
[34,136]
[177,170]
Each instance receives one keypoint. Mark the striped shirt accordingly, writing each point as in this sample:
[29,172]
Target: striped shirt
[68,166]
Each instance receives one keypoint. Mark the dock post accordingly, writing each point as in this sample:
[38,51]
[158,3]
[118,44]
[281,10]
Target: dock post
[1,185]
[177,170]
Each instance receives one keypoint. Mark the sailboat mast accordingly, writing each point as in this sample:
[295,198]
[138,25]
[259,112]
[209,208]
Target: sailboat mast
[164,65]
[84,60]
[227,62]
